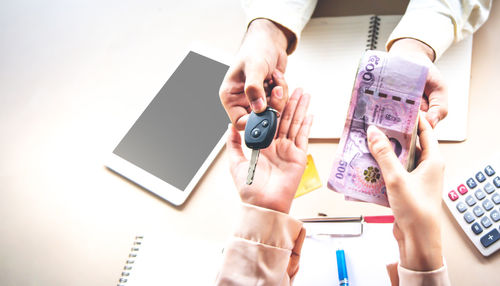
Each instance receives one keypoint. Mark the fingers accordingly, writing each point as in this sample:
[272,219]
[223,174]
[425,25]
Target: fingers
[427,139]
[298,116]
[438,97]
[438,108]
[279,94]
[255,75]
[288,113]
[234,149]
[381,150]
[303,135]
[293,264]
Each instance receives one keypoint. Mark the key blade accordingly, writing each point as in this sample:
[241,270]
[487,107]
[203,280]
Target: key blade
[253,164]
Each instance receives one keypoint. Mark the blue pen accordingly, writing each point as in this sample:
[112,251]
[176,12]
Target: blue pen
[343,280]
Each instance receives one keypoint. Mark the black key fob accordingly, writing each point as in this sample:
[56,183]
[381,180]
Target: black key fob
[260,129]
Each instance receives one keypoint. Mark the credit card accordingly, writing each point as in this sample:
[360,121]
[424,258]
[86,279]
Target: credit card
[310,179]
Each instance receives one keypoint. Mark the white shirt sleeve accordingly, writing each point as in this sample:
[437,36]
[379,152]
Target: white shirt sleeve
[292,14]
[440,23]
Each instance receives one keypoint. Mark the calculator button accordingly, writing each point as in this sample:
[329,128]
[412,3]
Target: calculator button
[462,189]
[480,194]
[453,195]
[487,205]
[470,200]
[486,222]
[496,181]
[469,217]
[489,238]
[476,228]
[489,188]
[480,177]
[471,183]
[478,211]
[495,215]
[489,171]
[461,207]
[496,198]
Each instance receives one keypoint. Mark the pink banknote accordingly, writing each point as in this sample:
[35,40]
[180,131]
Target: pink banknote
[387,93]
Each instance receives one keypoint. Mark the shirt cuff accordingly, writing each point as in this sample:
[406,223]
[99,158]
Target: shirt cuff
[409,277]
[268,227]
[434,29]
[292,17]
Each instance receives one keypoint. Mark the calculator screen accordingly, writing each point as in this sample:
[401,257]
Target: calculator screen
[181,126]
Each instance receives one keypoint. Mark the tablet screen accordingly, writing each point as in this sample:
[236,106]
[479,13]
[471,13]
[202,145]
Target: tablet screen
[181,126]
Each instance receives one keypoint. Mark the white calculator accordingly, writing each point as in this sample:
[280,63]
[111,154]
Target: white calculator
[474,202]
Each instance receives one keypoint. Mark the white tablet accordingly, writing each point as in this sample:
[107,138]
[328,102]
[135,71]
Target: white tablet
[173,142]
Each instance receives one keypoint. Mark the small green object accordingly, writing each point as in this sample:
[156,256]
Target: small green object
[372,174]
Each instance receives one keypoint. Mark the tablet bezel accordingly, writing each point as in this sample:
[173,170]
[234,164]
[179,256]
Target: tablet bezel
[151,182]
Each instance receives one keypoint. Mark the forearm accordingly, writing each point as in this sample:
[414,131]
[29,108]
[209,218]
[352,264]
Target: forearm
[440,23]
[261,248]
[413,47]
[421,252]
[290,15]
[268,31]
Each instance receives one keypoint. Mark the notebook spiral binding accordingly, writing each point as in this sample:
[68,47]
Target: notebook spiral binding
[129,264]
[371,43]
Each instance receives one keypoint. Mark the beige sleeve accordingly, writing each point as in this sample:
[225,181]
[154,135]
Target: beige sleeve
[440,23]
[292,14]
[406,277]
[260,251]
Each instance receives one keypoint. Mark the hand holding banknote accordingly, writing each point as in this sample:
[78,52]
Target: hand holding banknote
[414,197]
[387,93]
[435,101]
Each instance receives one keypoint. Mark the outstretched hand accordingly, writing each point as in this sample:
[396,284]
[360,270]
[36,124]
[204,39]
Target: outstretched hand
[281,165]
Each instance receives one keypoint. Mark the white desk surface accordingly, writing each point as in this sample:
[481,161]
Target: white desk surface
[74,75]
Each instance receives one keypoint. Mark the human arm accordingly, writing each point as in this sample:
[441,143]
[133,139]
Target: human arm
[265,246]
[415,199]
[273,31]
[426,31]
[440,23]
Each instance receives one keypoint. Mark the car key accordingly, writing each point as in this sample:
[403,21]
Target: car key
[259,133]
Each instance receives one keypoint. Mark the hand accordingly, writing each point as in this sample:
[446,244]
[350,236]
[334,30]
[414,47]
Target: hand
[435,101]
[260,64]
[281,165]
[415,198]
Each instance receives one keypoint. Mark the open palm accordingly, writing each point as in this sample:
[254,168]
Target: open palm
[280,166]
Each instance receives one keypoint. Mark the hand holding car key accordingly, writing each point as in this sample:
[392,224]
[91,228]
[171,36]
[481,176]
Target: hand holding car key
[259,133]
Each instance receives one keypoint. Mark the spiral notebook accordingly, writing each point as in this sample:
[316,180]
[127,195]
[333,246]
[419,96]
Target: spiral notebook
[159,259]
[327,57]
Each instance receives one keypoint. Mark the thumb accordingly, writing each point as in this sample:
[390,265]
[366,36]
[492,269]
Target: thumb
[254,87]
[381,150]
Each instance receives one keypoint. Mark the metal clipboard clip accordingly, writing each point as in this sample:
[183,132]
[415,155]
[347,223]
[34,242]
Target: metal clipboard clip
[341,226]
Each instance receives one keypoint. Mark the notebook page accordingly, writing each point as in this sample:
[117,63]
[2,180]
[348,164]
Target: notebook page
[325,65]
[366,257]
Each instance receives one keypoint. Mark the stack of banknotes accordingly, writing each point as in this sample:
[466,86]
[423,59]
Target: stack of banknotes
[387,93]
